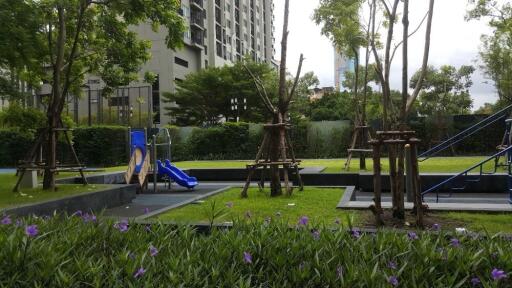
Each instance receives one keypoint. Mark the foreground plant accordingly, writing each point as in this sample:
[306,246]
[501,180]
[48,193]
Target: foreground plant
[68,251]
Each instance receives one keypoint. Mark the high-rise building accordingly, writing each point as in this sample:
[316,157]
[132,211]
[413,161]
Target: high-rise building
[342,64]
[218,32]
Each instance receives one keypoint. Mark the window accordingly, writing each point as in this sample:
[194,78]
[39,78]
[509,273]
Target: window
[181,62]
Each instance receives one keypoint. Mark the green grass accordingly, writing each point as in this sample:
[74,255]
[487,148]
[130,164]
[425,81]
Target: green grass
[441,164]
[492,223]
[319,204]
[9,198]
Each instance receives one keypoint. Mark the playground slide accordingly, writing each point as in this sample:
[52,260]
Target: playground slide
[176,174]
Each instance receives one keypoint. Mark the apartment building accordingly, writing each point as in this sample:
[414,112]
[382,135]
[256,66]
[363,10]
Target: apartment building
[219,32]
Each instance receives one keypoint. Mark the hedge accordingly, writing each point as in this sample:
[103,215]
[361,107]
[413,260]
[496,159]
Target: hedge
[80,251]
[14,146]
[101,145]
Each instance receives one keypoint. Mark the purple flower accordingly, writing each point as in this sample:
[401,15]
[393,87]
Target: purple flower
[316,234]
[393,280]
[303,221]
[153,251]
[139,273]
[122,226]
[89,217]
[229,204]
[339,272]
[248,214]
[475,281]
[146,210]
[454,242]
[498,274]
[392,265]
[337,221]
[6,220]
[436,227]
[247,257]
[412,236]
[77,213]
[355,233]
[31,230]
[19,223]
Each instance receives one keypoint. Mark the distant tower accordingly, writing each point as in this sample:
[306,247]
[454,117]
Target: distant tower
[342,64]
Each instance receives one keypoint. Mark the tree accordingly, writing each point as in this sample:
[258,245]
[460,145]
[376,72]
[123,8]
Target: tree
[87,37]
[277,137]
[300,107]
[445,91]
[342,23]
[205,97]
[496,49]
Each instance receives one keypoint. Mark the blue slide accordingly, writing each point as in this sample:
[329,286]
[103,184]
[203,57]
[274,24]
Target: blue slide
[176,174]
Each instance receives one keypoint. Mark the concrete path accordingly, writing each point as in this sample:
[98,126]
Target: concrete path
[154,203]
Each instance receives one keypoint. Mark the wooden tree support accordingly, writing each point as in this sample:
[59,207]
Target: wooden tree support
[361,133]
[392,140]
[265,158]
[33,159]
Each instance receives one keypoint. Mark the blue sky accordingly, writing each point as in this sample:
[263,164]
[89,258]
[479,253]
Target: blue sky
[454,42]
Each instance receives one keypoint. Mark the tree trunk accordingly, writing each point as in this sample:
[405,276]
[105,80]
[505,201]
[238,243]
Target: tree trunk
[275,178]
[53,113]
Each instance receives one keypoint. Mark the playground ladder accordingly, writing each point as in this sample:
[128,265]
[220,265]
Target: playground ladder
[466,178]
[464,134]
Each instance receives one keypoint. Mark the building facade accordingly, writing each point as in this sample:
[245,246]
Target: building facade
[218,33]
[342,64]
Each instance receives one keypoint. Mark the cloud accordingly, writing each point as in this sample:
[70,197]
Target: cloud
[454,41]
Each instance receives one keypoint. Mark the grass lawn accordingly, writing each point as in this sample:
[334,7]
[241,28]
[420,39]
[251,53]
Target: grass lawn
[319,204]
[9,198]
[492,223]
[440,164]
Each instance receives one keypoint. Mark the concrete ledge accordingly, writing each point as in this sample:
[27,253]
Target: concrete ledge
[95,201]
[460,207]
[165,209]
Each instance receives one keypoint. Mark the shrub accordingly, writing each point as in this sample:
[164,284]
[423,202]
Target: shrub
[15,116]
[101,145]
[227,141]
[13,146]
[79,252]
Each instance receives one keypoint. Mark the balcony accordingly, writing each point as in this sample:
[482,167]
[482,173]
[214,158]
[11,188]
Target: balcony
[197,39]
[197,4]
[197,21]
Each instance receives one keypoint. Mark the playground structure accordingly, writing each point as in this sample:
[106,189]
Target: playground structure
[459,182]
[144,161]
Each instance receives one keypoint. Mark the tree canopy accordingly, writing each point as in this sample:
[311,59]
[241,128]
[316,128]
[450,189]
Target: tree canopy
[496,49]
[62,41]
[445,90]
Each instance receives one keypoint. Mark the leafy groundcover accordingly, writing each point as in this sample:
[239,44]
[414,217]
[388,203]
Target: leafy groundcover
[80,251]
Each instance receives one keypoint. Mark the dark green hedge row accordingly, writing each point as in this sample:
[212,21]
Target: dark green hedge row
[101,145]
[13,146]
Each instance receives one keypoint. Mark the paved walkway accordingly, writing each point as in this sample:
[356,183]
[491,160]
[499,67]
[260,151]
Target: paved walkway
[150,204]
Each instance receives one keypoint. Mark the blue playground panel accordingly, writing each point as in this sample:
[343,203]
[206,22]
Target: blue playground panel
[138,141]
